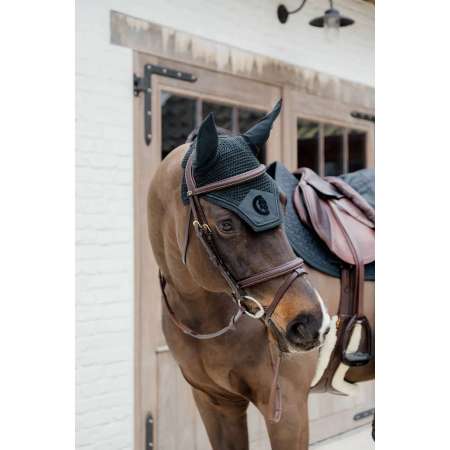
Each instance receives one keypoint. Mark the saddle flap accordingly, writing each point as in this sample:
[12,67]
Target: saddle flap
[323,187]
[338,221]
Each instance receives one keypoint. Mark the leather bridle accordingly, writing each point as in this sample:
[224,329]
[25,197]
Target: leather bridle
[294,268]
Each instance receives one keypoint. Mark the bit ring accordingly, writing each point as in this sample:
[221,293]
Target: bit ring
[259,314]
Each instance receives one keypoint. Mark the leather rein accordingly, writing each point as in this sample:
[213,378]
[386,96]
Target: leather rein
[204,233]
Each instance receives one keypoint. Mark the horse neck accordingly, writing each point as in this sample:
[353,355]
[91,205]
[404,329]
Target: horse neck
[200,309]
[191,302]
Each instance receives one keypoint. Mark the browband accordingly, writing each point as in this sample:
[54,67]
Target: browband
[221,184]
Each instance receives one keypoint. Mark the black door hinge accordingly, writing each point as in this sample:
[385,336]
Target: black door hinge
[363,414]
[144,84]
[149,435]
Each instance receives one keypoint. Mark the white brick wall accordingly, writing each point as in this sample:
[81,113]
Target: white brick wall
[104,171]
[104,235]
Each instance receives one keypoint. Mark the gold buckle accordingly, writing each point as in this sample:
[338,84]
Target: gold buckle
[204,227]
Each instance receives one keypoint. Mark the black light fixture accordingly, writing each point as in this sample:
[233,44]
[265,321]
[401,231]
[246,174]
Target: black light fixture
[331,19]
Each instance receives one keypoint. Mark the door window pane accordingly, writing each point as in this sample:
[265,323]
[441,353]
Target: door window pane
[178,120]
[334,145]
[308,144]
[222,114]
[246,119]
[356,150]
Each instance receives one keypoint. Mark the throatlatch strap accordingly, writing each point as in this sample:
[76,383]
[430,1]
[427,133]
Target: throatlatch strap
[185,329]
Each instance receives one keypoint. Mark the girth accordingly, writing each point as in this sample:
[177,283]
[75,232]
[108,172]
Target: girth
[294,268]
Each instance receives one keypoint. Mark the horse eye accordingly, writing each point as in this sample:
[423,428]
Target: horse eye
[226,226]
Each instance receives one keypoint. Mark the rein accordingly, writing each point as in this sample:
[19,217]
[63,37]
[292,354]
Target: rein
[204,233]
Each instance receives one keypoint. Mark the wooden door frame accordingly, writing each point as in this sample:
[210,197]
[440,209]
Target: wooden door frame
[148,337]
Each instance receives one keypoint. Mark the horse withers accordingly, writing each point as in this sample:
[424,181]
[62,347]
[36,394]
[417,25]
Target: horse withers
[236,297]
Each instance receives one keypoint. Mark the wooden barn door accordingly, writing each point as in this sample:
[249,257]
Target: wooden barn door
[322,135]
[178,106]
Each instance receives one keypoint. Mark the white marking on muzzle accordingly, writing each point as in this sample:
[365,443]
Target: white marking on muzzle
[325,317]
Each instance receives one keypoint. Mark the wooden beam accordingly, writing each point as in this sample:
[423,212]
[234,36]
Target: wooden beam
[178,46]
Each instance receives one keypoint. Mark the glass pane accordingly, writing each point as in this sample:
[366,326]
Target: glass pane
[222,114]
[334,144]
[178,120]
[246,119]
[308,144]
[356,150]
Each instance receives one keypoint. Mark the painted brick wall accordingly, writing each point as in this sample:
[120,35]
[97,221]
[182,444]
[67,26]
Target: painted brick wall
[104,171]
[104,235]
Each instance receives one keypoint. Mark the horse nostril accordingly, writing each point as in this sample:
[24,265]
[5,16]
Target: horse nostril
[326,331]
[303,329]
[301,326]
[300,330]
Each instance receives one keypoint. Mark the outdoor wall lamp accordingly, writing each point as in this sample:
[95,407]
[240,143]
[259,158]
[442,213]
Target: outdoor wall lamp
[331,19]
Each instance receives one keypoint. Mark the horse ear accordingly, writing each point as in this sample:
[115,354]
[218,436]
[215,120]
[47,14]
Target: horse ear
[260,132]
[207,141]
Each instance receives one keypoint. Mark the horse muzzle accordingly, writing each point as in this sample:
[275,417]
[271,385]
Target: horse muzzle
[306,332]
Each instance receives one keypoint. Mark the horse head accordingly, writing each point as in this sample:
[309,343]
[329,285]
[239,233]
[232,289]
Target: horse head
[245,225]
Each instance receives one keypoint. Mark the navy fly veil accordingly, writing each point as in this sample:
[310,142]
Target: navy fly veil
[219,157]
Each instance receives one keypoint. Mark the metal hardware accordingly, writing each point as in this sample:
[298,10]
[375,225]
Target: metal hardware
[360,357]
[364,414]
[199,226]
[256,315]
[149,432]
[331,18]
[144,84]
[363,116]
[162,349]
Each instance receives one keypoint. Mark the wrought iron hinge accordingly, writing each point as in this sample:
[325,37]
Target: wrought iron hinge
[149,433]
[144,84]
[363,116]
[364,414]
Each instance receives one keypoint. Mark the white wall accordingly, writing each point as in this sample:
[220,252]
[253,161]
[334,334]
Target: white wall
[104,234]
[104,170]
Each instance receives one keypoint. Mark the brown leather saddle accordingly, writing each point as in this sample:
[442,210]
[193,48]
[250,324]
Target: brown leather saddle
[345,223]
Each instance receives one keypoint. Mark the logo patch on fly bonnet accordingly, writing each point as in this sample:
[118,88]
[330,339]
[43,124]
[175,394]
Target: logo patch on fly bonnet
[260,205]
[217,157]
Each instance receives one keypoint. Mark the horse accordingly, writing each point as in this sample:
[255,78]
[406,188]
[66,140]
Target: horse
[229,267]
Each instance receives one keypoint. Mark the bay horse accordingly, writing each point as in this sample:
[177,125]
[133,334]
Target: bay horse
[225,266]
